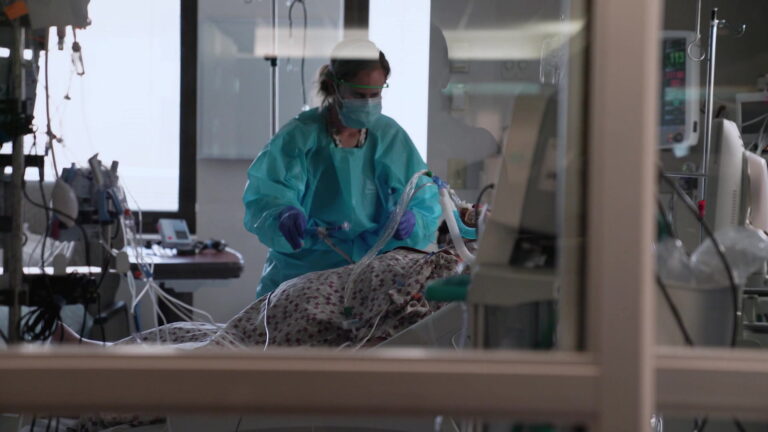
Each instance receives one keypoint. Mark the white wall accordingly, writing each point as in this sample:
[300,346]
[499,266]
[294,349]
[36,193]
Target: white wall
[220,215]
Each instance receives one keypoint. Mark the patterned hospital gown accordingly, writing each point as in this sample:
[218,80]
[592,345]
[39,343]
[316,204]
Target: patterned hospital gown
[386,298]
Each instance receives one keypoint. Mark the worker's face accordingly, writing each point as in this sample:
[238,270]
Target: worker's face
[372,77]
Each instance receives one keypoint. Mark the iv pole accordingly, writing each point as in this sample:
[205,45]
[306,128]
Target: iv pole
[273,87]
[12,246]
[714,24]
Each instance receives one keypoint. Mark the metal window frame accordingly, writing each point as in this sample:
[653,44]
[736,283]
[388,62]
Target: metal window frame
[615,385]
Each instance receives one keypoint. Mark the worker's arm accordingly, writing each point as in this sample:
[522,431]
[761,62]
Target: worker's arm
[401,160]
[276,180]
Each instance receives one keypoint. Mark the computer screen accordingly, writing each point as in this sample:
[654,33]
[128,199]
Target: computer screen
[679,92]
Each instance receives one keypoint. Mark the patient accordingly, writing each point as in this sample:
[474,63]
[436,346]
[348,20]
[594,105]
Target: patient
[386,298]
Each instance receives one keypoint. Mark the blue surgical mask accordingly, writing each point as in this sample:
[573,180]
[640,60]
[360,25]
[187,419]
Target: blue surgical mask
[360,113]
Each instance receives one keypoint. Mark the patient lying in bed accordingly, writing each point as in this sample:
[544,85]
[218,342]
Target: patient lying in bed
[386,298]
[308,310]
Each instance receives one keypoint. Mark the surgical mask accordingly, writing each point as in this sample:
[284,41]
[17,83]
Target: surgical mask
[360,113]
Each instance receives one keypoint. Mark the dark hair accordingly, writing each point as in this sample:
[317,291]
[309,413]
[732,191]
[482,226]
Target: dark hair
[343,69]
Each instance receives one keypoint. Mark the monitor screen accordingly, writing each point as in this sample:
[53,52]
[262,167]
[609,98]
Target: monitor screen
[674,82]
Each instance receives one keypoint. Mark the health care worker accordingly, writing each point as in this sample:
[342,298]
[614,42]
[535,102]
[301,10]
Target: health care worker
[344,162]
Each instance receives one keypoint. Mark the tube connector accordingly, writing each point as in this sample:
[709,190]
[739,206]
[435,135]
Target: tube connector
[441,184]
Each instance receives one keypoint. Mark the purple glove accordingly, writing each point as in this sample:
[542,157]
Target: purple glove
[292,225]
[405,227]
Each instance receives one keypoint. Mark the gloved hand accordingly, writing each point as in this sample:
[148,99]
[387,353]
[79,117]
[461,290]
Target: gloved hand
[405,227]
[292,225]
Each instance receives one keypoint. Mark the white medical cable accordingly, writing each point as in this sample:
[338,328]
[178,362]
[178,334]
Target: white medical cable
[131,240]
[175,304]
[375,323]
[33,252]
[754,120]
[266,312]
[227,339]
[761,138]
[184,315]
[138,298]
[156,310]
[155,313]
[453,423]
[131,312]
[344,345]
[153,288]
[186,306]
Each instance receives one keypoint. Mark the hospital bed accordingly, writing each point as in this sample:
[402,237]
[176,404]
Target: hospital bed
[442,329]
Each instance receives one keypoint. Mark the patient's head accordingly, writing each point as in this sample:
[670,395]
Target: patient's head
[468,216]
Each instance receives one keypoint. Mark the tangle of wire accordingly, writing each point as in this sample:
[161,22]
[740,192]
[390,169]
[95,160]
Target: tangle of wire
[51,311]
[699,425]
[762,135]
[156,293]
[718,248]
[41,321]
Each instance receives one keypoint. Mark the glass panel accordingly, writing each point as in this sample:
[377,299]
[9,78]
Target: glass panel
[274,423]
[122,106]
[712,138]
[235,48]
[484,92]
[487,96]
[701,423]
[507,108]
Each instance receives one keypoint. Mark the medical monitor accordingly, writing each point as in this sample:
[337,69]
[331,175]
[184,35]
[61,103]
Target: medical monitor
[757,198]
[679,92]
[724,201]
[518,245]
[751,115]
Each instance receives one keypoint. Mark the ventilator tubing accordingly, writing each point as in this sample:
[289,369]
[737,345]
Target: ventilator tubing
[448,213]
[389,230]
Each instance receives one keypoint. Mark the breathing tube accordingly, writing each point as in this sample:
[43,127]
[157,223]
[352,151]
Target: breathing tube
[452,219]
[389,230]
[450,213]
